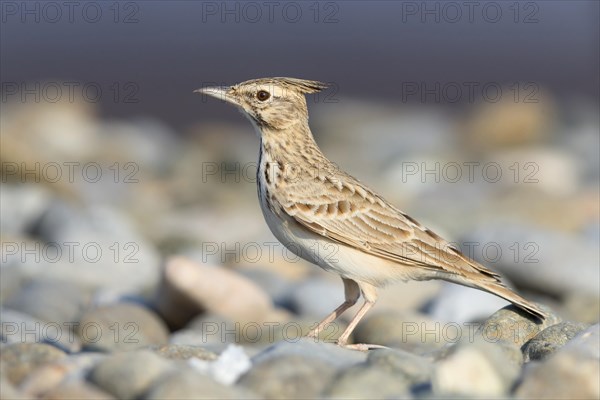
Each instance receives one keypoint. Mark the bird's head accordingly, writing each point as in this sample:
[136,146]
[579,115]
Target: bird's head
[271,103]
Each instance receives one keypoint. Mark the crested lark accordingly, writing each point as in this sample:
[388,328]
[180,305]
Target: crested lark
[331,219]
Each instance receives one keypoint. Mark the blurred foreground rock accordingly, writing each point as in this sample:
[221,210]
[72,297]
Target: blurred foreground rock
[189,288]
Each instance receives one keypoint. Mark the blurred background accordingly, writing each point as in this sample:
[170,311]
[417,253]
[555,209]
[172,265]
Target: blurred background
[479,119]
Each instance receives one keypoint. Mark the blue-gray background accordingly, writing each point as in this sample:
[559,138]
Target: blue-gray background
[368,48]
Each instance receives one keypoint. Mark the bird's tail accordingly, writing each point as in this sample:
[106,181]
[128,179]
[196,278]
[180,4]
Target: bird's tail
[500,290]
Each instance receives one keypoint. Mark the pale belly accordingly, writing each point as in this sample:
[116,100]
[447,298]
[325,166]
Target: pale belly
[334,257]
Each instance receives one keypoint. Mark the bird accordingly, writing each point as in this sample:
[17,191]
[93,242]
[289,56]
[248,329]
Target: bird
[329,218]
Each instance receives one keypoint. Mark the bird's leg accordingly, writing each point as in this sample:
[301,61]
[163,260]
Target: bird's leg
[370,294]
[352,293]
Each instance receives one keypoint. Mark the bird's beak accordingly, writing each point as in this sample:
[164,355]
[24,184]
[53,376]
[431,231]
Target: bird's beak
[220,92]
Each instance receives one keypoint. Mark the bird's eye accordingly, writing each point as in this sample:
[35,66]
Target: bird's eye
[263,95]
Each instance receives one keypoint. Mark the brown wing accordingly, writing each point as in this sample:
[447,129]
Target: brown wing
[344,211]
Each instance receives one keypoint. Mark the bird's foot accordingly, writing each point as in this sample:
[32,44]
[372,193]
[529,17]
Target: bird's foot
[314,334]
[361,346]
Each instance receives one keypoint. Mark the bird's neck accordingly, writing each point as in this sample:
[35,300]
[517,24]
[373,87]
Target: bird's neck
[290,143]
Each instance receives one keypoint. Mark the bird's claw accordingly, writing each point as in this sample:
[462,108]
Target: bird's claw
[361,346]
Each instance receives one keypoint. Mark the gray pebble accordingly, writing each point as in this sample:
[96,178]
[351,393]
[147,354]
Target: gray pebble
[307,347]
[188,384]
[289,377]
[512,325]
[387,373]
[587,343]
[128,375]
[26,203]
[369,382]
[107,251]
[16,327]
[213,330]
[49,300]
[300,326]
[125,326]
[190,337]
[77,391]
[183,352]
[416,369]
[402,330]
[551,339]
[583,307]
[217,331]
[571,372]
[11,276]
[480,368]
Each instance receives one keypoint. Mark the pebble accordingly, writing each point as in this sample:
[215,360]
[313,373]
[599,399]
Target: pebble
[328,353]
[416,369]
[124,326]
[16,327]
[581,140]
[480,368]
[403,330]
[583,307]
[548,341]
[571,372]
[183,352]
[73,368]
[513,325]
[151,143]
[106,250]
[189,288]
[371,382]
[189,384]
[128,375]
[289,377]
[9,391]
[586,343]
[227,368]
[300,326]
[55,302]
[509,123]
[27,204]
[11,274]
[387,373]
[560,175]
[77,391]
[190,337]
[217,332]
[21,359]
[210,331]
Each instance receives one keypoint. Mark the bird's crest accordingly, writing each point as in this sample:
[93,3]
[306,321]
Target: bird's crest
[300,85]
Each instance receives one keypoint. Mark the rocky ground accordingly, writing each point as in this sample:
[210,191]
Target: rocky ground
[135,262]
